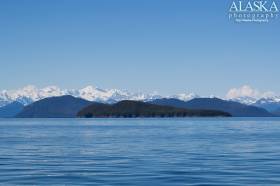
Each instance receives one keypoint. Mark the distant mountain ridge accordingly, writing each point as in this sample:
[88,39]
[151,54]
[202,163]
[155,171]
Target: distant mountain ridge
[69,107]
[234,108]
[30,94]
[272,105]
[54,107]
[11,110]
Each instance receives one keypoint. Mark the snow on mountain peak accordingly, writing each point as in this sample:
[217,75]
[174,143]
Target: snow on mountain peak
[95,94]
[30,93]
[184,96]
[25,95]
[248,95]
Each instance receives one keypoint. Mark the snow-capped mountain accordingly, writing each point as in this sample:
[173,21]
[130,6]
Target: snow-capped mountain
[30,93]
[184,96]
[112,95]
[268,100]
[245,100]
[269,103]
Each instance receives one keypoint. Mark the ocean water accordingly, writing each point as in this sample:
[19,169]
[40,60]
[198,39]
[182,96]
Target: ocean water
[221,151]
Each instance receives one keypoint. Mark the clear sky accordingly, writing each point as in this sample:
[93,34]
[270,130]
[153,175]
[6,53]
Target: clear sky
[169,46]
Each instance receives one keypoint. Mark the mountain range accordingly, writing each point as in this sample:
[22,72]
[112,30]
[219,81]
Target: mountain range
[234,108]
[69,107]
[54,107]
[31,94]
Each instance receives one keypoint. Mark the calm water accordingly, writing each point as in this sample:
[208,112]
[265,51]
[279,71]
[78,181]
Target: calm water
[140,152]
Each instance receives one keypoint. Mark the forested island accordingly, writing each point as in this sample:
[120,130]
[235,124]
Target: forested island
[135,109]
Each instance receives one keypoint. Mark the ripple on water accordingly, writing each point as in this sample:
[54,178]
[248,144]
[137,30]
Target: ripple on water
[140,151]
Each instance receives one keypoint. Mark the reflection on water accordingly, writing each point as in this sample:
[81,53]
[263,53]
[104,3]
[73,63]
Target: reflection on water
[140,151]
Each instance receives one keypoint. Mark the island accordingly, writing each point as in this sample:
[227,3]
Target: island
[135,109]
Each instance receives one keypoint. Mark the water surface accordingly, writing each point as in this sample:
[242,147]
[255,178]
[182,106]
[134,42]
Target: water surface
[225,151]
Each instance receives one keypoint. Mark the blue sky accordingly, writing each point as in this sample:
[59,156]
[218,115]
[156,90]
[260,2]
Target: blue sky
[169,46]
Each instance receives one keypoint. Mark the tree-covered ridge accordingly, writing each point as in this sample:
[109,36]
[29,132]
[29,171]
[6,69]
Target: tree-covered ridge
[131,109]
